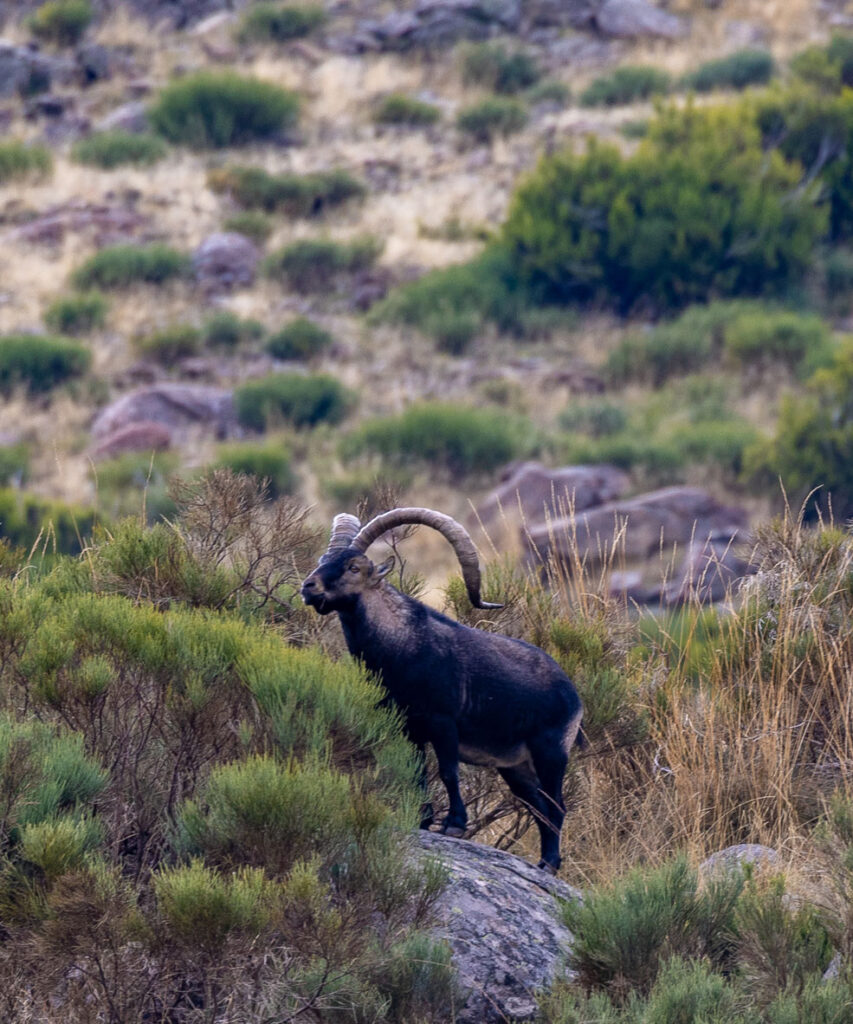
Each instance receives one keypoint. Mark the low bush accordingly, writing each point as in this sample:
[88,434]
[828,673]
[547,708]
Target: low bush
[794,341]
[837,294]
[737,71]
[277,23]
[598,418]
[629,84]
[251,223]
[77,314]
[297,195]
[22,160]
[300,339]
[492,117]
[313,264]
[14,464]
[62,22]
[39,362]
[453,330]
[48,527]
[120,266]
[291,398]
[406,111]
[117,148]
[457,440]
[216,109]
[550,91]
[136,484]
[499,69]
[226,330]
[270,462]
[170,344]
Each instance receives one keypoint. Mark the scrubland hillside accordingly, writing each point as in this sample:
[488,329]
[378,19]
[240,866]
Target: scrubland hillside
[373,253]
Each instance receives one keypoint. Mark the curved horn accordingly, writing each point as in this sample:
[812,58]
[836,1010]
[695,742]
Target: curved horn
[344,529]
[453,532]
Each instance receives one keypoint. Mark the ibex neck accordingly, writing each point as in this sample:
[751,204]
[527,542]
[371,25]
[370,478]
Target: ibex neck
[377,619]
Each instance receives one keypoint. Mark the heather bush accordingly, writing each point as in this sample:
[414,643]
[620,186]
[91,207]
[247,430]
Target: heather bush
[406,111]
[14,464]
[217,109]
[251,223]
[77,314]
[170,344]
[267,462]
[737,71]
[22,160]
[111,149]
[291,398]
[549,91]
[492,117]
[62,22]
[42,526]
[313,264]
[120,266]
[226,330]
[39,362]
[499,69]
[277,23]
[300,339]
[794,341]
[135,484]
[628,84]
[297,195]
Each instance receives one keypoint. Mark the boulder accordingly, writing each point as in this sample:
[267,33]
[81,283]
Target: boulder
[173,406]
[709,572]
[734,857]
[129,117]
[649,525]
[26,70]
[225,261]
[534,493]
[559,13]
[181,13]
[103,223]
[499,915]
[144,436]
[636,19]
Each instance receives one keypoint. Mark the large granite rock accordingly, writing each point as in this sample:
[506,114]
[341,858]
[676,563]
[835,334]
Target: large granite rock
[635,19]
[499,915]
[176,407]
[26,70]
[225,261]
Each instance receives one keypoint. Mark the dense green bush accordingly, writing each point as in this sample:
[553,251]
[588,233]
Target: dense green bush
[794,341]
[453,330]
[499,69]
[737,71]
[277,23]
[62,22]
[549,90]
[699,210]
[598,418]
[14,465]
[301,401]
[300,339]
[313,264]
[297,195]
[116,148]
[119,266]
[452,438]
[39,362]
[251,223]
[170,344]
[491,117]
[628,84]
[270,462]
[136,484]
[226,330]
[400,109]
[215,109]
[77,314]
[28,522]
[21,160]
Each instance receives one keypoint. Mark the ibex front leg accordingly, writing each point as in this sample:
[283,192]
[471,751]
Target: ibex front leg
[445,742]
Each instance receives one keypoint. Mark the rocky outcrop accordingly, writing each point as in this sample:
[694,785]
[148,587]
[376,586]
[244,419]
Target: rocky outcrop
[26,70]
[710,570]
[176,407]
[636,19]
[104,224]
[129,117]
[733,858]
[225,261]
[499,915]
[134,437]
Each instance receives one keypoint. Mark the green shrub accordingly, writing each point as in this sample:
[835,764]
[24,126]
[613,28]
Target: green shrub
[598,418]
[297,195]
[170,344]
[453,330]
[737,71]
[21,160]
[120,266]
[698,210]
[28,522]
[623,929]
[658,459]
[549,90]
[300,339]
[491,117]
[39,362]
[689,991]
[313,264]
[77,314]
[59,846]
[62,22]
[14,466]
[134,483]
[628,84]
[452,438]
[496,68]
[117,148]
[795,341]
[275,23]
[269,462]
[215,109]
[226,330]
[838,281]
[251,223]
[400,109]
[301,401]
[722,444]
[826,67]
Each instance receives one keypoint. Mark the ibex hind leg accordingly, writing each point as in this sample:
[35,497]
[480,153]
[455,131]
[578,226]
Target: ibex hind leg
[550,759]
[446,746]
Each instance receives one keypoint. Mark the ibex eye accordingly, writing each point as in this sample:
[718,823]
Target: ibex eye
[354,568]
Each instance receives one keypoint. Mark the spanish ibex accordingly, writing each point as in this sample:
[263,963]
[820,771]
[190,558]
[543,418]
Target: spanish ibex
[478,697]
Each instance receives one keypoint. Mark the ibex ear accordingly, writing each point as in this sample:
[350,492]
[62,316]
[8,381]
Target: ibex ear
[382,570]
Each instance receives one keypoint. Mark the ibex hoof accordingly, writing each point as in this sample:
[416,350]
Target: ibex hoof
[453,830]
[545,866]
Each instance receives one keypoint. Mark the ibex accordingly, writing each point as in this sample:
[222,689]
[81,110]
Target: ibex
[477,697]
